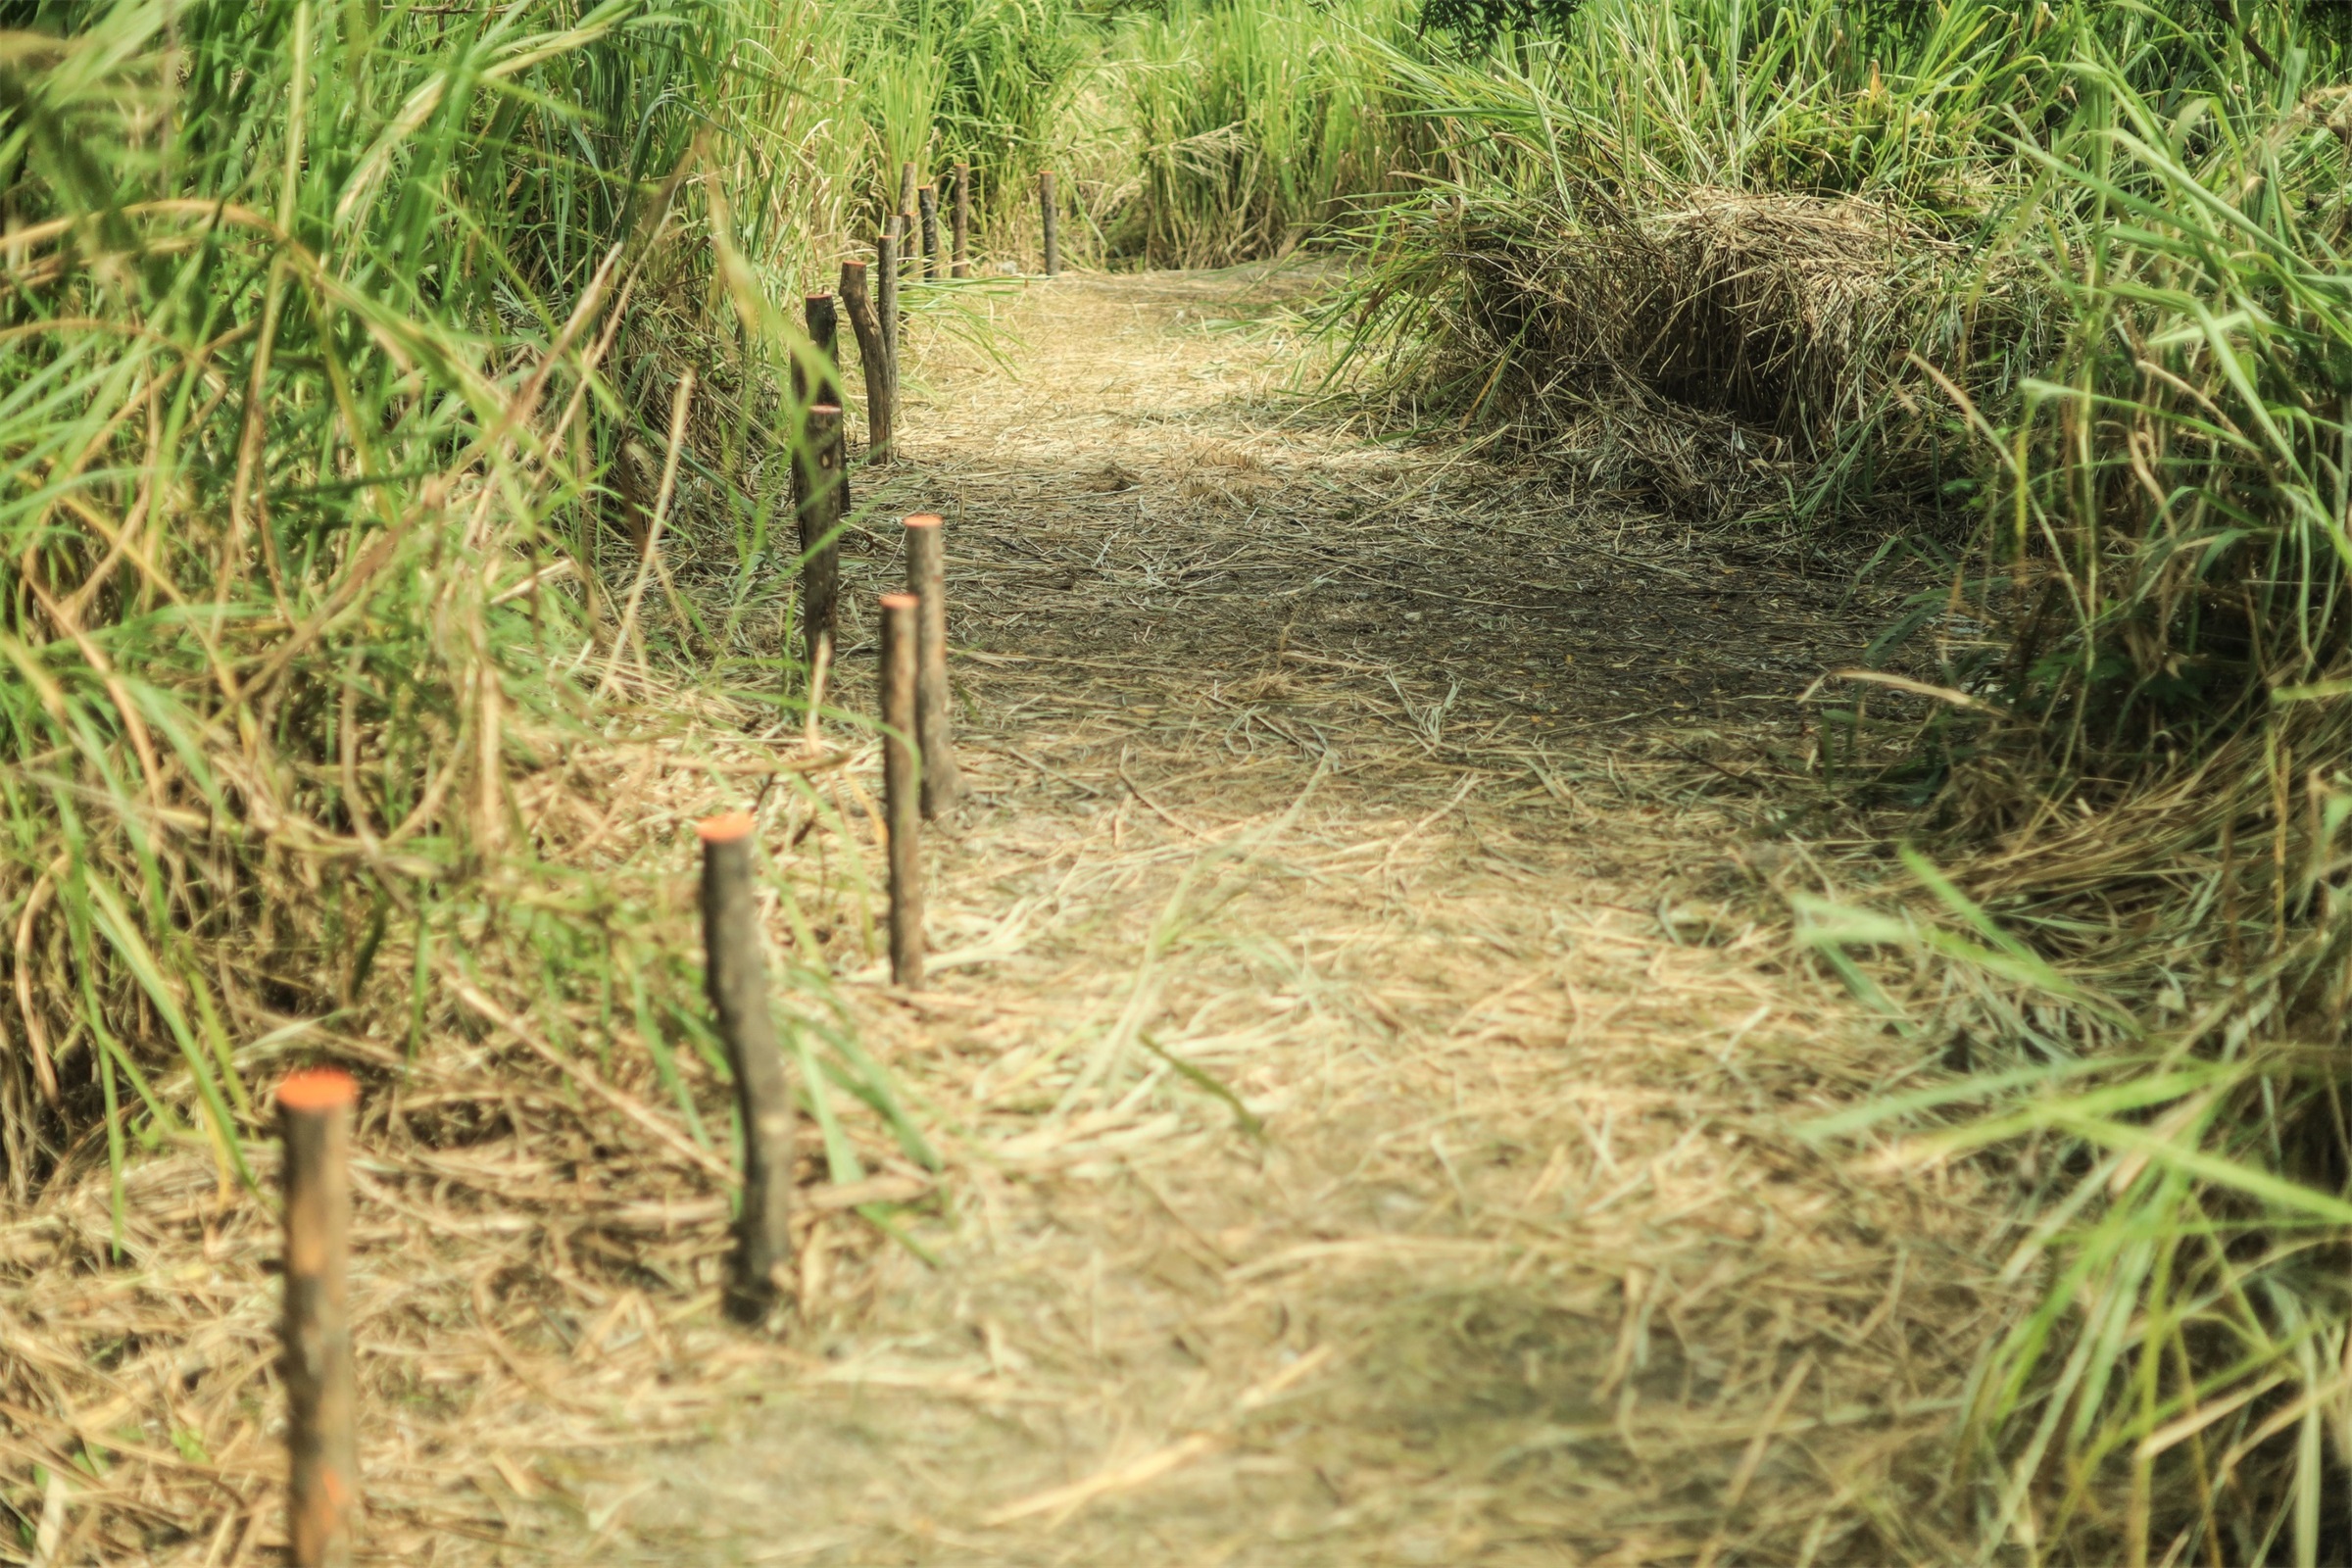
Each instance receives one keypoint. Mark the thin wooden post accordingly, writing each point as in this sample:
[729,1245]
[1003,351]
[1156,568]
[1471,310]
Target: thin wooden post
[323,1473]
[928,200]
[888,255]
[1051,209]
[962,266]
[907,186]
[899,764]
[873,356]
[927,581]
[817,499]
[735,976]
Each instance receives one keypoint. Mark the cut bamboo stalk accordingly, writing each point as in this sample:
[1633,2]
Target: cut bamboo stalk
[927,581]
[817,499]
[323,1473]
[1050,210]
[927,201]
[736,977]
[873,354]
[901,764]
[889,253]
[962,266]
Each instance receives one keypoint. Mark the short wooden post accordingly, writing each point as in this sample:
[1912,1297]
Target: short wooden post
[907,186]
[889,251]
[323,1473]
[900,765]
[962,266]
[735,975]
[928,198]
[873,355]
[817,497]
[927,581]
[1050,210]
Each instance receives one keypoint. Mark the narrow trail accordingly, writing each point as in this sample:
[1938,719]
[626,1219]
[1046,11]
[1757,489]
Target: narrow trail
[1374,1056]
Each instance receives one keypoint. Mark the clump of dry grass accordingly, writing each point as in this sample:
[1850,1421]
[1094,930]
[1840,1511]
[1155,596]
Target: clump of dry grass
[1715,349]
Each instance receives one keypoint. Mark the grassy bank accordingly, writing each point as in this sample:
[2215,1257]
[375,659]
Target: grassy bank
[356,363]
[2053,295]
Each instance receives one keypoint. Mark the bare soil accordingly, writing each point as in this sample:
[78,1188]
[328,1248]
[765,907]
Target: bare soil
[1374,1052]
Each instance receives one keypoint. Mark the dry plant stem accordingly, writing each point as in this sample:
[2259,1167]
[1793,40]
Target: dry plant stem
[736,975]
[817,497]
[888,254]
[963,265]
[322,1392]
[928,200]
[899,764]
[873,356]
[820,664]
[1049,211]
[927,581]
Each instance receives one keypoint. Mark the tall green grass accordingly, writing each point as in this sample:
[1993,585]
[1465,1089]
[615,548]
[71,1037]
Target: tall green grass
[329,333]
[1255,127]
[987,82]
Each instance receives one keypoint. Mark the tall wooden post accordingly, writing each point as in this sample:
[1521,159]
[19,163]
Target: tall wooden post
[1050,210]
[817,497]
[927,581]
[824,385]
[322,1473]
[735,976]
[928,200]
[899,764]
[873,356]
[962,266]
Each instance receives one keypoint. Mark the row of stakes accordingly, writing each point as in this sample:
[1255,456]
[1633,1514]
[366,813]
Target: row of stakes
[920,780]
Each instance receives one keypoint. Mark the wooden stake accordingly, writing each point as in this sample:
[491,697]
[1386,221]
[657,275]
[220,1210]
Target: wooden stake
[907,186]
[899,764]
[323,1473]
[735,976]
[817,496]
[873,355]
[889,251]
[962,266]
[927,581]
[824,334]
[1051,211]
[927,200]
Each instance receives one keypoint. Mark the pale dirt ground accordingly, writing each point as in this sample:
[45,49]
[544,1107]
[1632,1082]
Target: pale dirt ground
[1370,1052]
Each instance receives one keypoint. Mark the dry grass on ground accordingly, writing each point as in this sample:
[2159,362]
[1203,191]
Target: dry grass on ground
[1375,1064]
[1364,1054]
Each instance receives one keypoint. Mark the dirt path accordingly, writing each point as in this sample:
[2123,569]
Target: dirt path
[1370,1055]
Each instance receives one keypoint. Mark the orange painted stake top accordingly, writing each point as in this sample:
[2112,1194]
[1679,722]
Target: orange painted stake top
[899,602]
[725,828]
[923,520]
[318,1088]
